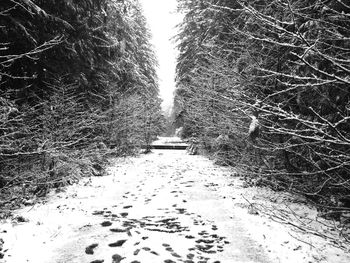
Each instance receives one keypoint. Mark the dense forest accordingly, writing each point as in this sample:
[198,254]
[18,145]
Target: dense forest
[77,81]
[264,85]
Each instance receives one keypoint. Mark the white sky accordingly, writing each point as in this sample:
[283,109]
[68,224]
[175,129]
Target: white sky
[162,19]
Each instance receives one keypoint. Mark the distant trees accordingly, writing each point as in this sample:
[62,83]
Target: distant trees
[72,74]
[291,56]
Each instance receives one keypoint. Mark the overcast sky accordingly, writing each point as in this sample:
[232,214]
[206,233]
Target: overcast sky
[162,19]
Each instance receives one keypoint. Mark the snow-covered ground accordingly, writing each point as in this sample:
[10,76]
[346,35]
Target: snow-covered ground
[168,206]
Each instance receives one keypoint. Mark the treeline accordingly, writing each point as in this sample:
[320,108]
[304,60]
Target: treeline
[285,62]
[77,77]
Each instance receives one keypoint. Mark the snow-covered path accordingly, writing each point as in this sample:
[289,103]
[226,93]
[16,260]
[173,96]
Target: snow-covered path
[166,207]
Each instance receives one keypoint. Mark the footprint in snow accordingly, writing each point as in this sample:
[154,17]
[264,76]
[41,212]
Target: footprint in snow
[117,258]
[118,230]
[95,213]
[174,254]
[90,249]
[190,256]
[119,243]
[106,223]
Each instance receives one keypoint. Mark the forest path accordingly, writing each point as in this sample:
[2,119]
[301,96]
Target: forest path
[166,207]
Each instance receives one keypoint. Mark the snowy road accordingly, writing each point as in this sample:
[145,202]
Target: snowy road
[166,207]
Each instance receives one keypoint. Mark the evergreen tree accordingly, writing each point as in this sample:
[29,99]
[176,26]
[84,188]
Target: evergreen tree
[69,70]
